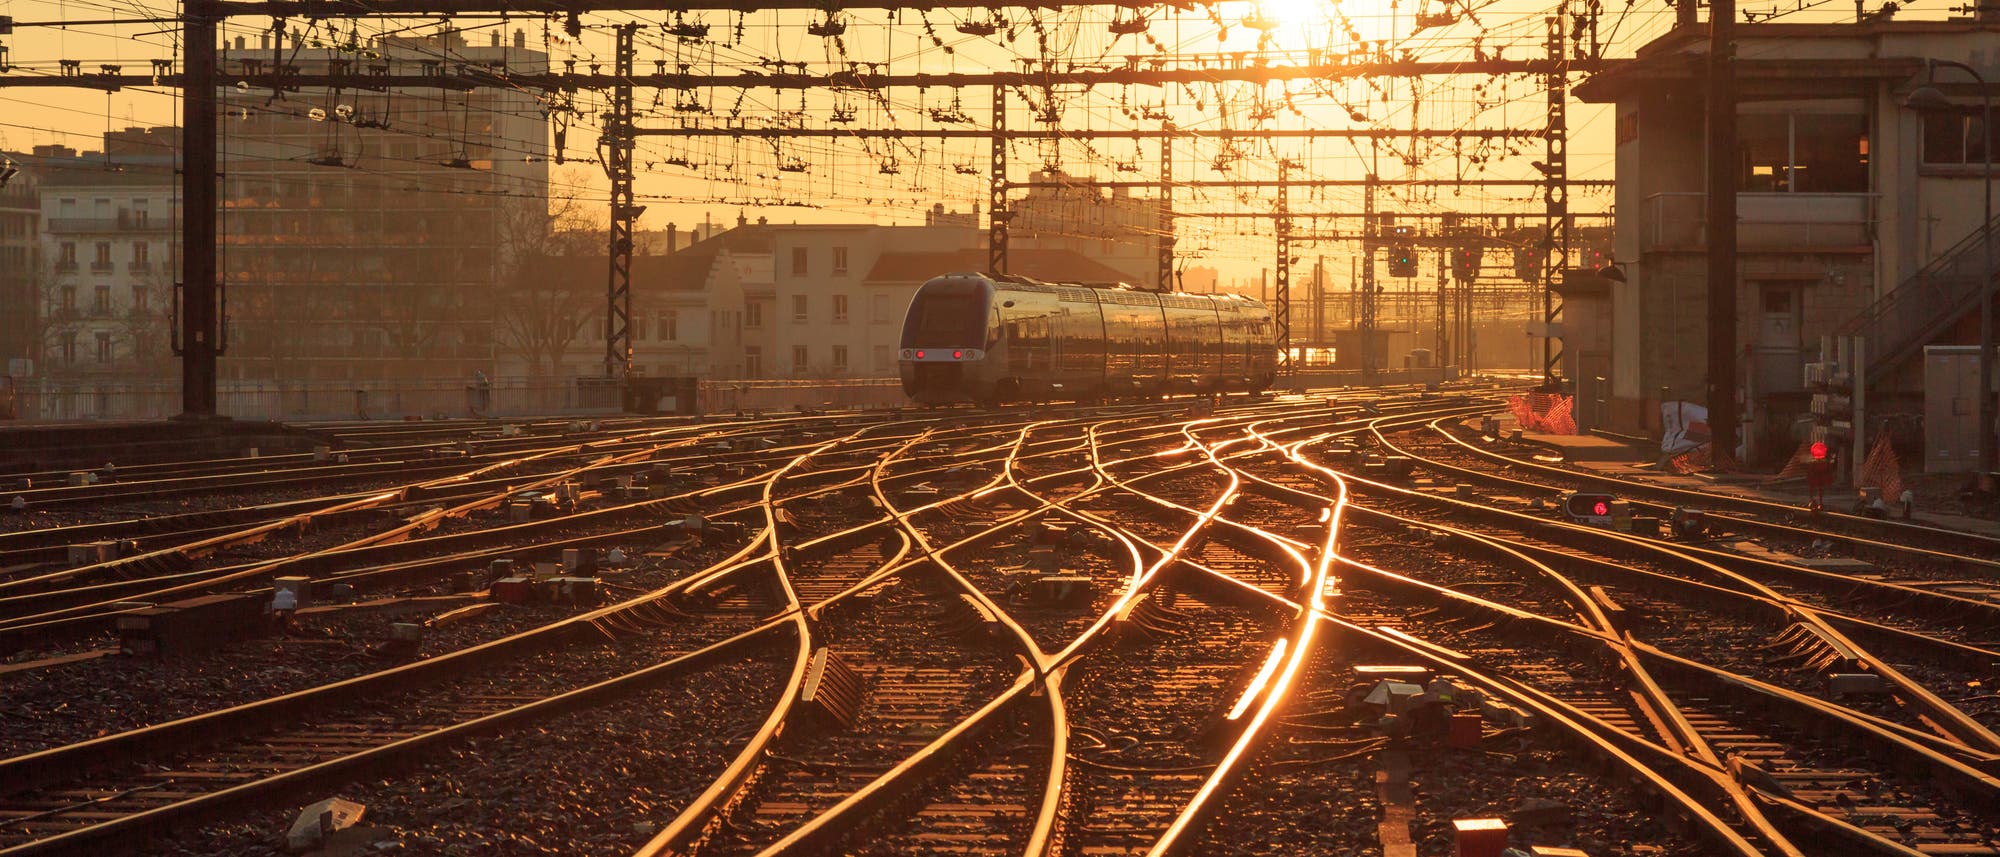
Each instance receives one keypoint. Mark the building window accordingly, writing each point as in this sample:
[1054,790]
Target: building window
[69,346]
[753,314]
[753,361]
[104,348]
[142,256]
[100,303]
[68,299]
[839,260]
[883,309]
[1952,137]
[839,307]
[798,307]
[885,359]
[798,261]
[798,360]
[840,360]
[1803,153]
[103,260]
[670,325]
[142,300]
[66,257]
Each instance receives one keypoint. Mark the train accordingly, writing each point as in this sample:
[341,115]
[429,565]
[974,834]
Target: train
[995,338]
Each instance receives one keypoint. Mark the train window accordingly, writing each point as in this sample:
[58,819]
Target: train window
[937,320]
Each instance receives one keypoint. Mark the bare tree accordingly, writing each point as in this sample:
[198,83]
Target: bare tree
[544,297]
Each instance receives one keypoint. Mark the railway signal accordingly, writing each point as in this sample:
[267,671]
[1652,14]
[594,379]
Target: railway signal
[1594,509]
[1465,263]
[1819,473]
[1402,262]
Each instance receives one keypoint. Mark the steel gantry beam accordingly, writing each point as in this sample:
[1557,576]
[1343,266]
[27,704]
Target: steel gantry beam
[341,8]
[471,75]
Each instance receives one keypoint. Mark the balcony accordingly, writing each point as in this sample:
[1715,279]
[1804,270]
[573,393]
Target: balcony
[139,267]
[104,266]
[1766,222]
[66,266]
[108,224]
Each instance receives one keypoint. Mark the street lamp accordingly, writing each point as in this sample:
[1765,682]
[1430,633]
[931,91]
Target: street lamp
[1927,99]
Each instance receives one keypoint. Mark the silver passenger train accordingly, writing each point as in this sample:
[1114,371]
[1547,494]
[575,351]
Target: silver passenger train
[990,338]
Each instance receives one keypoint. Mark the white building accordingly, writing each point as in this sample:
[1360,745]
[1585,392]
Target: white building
[101,297]
[764,302]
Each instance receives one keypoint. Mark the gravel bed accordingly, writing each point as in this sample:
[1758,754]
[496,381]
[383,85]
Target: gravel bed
[74,702]
[599,781]
[1603,817]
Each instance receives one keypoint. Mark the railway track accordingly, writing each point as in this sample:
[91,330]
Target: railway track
[1072,631]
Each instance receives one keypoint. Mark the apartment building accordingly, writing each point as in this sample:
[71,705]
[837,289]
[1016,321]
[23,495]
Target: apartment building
[96,301]
[362,231]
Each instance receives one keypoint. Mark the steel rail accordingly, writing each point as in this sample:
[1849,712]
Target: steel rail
[1773,510]
[1953,722]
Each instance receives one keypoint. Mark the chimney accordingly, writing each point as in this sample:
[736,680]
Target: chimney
[239,43]
[763,220]
[494,39]
[672,236]
[520,39]
[742,219]
[263,41]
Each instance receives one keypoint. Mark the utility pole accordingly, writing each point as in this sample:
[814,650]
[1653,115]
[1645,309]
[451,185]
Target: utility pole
[1319,302]
[1281,306]
[996,188]
[1443,298]
[618,143]
[200,339]
[1166,238]
[1555,189]
[1721,230]
[1364,326]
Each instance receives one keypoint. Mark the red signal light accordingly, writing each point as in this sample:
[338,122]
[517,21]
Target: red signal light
[956,355]
[1581,506]
[920,355]
[1818,450]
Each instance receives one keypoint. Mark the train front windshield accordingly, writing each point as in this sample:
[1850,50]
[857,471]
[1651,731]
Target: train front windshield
[946,319]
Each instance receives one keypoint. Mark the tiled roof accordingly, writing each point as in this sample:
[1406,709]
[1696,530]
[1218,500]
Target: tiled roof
[1046,265]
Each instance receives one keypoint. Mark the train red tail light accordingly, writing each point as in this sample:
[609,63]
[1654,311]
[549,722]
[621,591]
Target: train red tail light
[920,355]
[1818,450]
[958,355]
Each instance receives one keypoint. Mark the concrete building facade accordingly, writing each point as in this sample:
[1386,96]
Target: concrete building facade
[1845,197]
[362,231]
[98,306]
[21,273]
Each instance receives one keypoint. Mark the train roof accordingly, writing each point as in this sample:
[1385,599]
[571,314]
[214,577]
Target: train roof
[1028,284]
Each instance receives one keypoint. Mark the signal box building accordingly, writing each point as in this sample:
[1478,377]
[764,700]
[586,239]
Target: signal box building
[1857,213]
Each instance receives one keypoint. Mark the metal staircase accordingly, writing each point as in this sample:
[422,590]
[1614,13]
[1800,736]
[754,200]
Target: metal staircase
[1900,323]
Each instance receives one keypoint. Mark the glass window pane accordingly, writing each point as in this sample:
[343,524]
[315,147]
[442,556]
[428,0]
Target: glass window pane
[1944,141]
[1830,153]
[1764,144]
